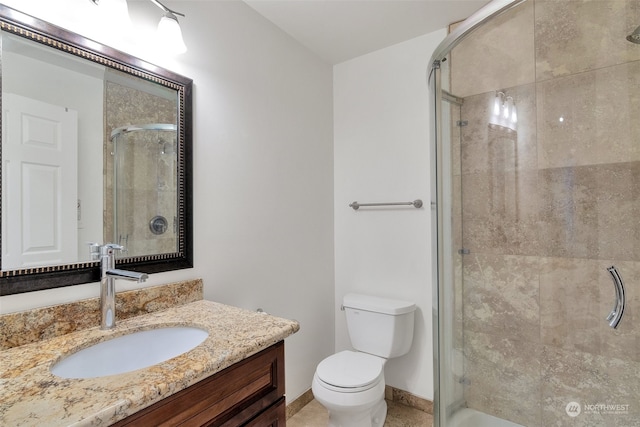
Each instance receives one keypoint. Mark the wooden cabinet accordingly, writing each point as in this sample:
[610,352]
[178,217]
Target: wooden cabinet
[249,393]
[272,417]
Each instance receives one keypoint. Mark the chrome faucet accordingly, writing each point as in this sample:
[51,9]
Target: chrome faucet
[106,254]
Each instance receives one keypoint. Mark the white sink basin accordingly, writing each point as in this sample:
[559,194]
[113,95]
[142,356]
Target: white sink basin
[129,352]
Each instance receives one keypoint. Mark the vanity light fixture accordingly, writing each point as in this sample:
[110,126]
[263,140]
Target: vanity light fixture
[504,112]
[169,31]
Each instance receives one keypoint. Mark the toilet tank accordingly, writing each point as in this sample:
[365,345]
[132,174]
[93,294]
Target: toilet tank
[379,326]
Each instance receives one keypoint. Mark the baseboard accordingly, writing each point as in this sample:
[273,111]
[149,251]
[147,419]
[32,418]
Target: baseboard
[390,393]
[404,397]
[302,401]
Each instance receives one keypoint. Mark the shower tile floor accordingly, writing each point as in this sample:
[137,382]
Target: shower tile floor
[398,415]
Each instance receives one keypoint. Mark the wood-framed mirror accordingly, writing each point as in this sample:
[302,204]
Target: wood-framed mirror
[96,147]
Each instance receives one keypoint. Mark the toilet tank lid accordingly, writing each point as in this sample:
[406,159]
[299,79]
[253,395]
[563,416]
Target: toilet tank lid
[378,305]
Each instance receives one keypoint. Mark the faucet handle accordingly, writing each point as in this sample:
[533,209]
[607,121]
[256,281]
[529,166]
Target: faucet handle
[109,247]
[114,246]
[94,250]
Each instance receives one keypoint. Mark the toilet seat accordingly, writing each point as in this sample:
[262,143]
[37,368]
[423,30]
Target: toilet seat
[350,371]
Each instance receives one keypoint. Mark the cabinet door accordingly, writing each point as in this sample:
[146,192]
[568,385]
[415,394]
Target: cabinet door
[274,416]
[227,399]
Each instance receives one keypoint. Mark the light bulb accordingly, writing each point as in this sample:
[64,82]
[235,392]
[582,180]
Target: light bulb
[170,34]
[496,105]
[514,114]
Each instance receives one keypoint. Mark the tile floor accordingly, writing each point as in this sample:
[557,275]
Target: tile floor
[398,415]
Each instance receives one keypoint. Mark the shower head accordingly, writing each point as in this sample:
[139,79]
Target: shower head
[635,36]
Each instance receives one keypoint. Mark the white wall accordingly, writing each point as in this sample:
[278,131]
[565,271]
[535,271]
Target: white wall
[263,167]
[381,153]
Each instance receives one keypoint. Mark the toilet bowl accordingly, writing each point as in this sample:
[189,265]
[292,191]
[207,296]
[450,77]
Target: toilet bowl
[350,384]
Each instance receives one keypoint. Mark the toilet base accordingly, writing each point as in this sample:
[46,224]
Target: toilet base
[374,419]
[363,409]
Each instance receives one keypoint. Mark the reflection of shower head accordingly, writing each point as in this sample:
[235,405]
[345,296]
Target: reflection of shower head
[635,36]
[167,147]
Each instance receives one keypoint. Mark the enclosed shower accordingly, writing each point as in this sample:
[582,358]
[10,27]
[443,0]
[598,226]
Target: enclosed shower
[536,179]
[143,194]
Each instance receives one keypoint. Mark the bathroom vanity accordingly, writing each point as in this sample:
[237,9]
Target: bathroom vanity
[234,378]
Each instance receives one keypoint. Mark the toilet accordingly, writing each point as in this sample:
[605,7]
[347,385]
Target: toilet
[350,384]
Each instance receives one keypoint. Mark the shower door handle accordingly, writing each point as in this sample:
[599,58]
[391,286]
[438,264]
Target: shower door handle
[618,310]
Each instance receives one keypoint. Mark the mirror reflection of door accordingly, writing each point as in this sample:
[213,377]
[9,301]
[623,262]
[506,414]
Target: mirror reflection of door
[105,99]
[40,196]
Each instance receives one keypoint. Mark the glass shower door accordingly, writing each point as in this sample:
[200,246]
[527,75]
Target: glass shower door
[549,201]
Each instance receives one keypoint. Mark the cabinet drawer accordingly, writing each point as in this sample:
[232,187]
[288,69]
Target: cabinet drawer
[228,398]
[275,416]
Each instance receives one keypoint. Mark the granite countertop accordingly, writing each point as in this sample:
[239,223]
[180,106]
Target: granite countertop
[30,395]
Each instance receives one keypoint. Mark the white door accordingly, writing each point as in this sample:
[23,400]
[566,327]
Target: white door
[39,183]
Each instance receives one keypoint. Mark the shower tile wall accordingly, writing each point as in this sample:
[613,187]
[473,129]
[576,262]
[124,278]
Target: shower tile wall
[546,209]
[145,192]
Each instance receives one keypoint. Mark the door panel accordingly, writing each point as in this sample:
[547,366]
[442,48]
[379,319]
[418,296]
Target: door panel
[39,184]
